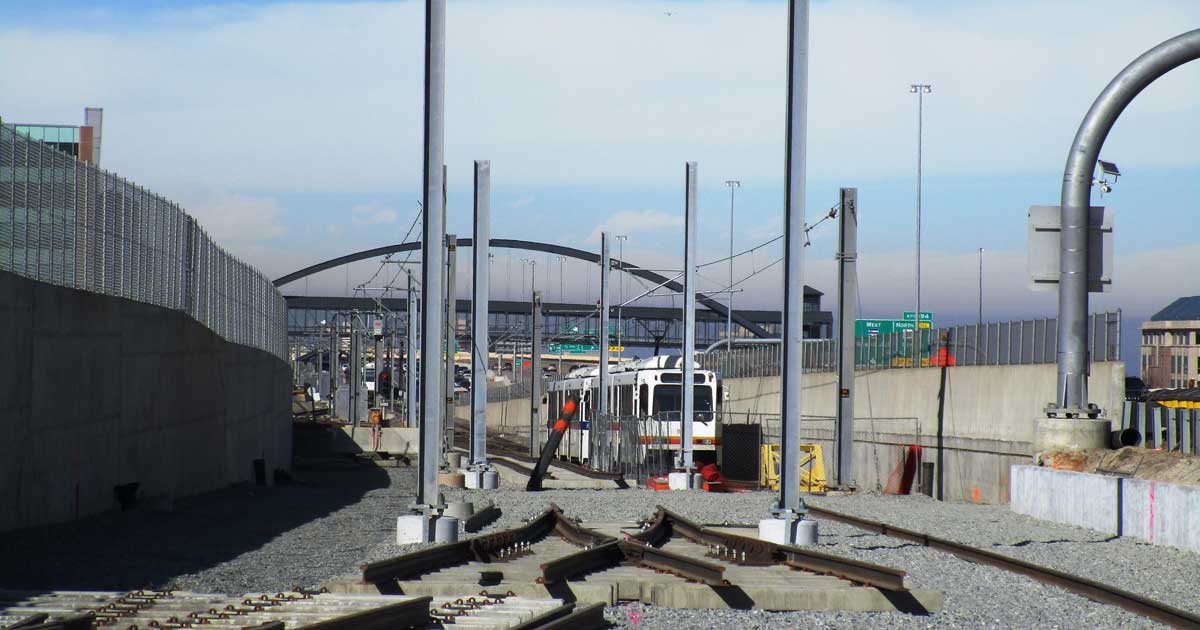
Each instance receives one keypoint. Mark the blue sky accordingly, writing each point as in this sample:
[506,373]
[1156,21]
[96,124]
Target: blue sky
[293,130]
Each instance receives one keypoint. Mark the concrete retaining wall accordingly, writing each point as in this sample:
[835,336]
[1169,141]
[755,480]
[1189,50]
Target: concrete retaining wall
[988,418]
[98,391]
[1160,513]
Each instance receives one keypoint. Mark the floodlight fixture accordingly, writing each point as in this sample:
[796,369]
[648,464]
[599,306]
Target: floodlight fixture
[923,88]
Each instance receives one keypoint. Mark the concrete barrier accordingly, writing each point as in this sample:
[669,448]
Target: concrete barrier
[98,391]
[988,418]
[1154,511]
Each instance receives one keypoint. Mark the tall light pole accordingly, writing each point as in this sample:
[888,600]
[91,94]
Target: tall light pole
[980,286]
[920,89]
[621,300]
[733,184]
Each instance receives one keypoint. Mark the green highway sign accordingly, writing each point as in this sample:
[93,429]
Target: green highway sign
[926,316]
[571,348]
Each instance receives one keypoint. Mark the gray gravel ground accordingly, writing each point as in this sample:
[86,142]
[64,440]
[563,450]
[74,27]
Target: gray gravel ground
[252,539]
[236,540]
[976,596]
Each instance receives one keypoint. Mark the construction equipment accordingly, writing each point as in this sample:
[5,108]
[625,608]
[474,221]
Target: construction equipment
[812,468]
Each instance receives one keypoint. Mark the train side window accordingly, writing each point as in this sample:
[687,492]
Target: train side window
[625,402]
[644,400]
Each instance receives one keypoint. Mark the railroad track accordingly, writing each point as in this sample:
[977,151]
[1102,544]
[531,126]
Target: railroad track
[511,450]
[297,610]
[668,561]
[1084,587]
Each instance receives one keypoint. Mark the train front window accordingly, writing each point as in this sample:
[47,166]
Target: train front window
[670,398]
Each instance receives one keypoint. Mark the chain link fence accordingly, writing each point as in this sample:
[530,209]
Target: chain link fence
[637,447]
[1019,342]
[68,223]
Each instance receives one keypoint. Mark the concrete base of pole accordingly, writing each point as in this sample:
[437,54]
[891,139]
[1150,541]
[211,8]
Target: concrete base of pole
[785,531]
[472,479]
[1070,434]
[491,480]
[445,529]
[414,528]
[679,481]
[461,510]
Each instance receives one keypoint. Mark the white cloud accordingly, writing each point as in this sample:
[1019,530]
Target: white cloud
[327,97]
[373,213]
[630,222]
[236,218]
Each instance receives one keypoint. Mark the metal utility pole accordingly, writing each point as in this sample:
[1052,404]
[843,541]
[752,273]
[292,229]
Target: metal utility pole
[791,506]
[733,185]
[605,262]
[335,364]
[451,323]
[689,320]
[480,287]
[535,372]
[847,295]
[433,235]
[561,260]
[621,300]
[411,393]
[378,361]
[980,286]
[920,89]
[356,362]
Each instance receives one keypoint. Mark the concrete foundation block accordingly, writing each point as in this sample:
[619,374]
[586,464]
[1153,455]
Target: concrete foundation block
[491,480]
[1070,434]
[454,459]
[472,479]
[679,481]
[788,532]
[413,528]
[445,529]
[461,510]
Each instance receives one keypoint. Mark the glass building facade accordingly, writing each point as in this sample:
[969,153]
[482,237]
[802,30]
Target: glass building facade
[62,138]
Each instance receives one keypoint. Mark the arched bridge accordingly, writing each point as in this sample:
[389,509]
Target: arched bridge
[536,246]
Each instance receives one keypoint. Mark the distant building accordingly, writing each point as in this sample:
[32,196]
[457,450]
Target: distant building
[81,142]
[1171,345]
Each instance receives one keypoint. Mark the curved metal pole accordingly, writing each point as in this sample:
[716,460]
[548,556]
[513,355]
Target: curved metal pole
[1076,199]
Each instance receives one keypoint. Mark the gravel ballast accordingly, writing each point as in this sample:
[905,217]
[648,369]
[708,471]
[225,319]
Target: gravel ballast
[246,539]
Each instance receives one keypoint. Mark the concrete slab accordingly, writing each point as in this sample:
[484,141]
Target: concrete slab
[1157,512]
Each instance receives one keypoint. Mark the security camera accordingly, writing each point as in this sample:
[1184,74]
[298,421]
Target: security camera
[1105,188]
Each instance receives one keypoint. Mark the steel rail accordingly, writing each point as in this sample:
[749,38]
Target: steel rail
[754,552]
[568,616]
[585,561]
[1084,587]
[417,562]
[683,566]
[407,614]
[494,547]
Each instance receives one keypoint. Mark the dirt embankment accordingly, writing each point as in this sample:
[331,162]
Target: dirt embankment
[1137,463]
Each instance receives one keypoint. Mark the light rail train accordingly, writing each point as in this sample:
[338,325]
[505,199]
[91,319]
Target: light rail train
[646,391]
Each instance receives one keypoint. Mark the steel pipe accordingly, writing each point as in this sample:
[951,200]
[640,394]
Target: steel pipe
[1072,398]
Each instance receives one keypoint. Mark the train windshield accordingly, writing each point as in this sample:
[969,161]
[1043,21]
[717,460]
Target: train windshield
[670,398]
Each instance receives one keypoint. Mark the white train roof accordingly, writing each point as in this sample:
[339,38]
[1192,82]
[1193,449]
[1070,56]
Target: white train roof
[634,365]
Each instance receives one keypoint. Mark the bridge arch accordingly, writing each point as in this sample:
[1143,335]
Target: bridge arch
[536,246]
